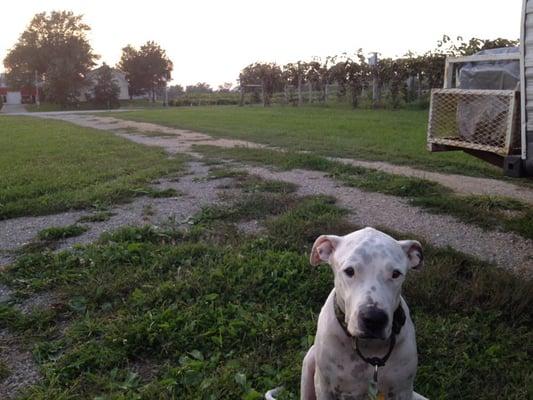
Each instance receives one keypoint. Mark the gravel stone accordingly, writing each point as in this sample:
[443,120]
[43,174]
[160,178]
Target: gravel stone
[19,361]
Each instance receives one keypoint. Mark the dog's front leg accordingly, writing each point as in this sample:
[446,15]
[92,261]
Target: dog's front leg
[307,387]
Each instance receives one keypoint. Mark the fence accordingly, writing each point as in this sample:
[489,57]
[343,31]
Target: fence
[411,92]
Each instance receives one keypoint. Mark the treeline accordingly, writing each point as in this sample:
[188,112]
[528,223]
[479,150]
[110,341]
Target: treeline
[391,80]
[54,55]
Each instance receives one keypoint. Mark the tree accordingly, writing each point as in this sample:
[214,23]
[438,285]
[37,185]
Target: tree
[268,75]
[106,90]
[225,87]
[55,48]
[200,87]
[147,69]
[175,91]
[131,64]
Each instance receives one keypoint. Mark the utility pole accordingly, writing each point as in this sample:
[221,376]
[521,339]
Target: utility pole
[373,62]
[37,100]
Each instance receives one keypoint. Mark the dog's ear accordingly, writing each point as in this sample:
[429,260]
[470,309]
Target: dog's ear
[323,248]
[413,250]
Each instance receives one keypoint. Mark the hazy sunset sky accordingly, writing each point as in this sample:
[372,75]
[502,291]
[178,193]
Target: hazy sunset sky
[212,40]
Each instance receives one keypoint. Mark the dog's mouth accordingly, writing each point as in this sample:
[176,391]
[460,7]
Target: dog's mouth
[365,334]
[370,336]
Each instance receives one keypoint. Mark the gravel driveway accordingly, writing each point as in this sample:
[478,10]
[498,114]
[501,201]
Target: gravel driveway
[366,208]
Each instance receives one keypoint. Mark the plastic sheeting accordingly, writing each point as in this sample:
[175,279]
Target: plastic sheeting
[497,75]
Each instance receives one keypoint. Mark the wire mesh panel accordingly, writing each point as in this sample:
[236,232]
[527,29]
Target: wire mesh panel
[486,120]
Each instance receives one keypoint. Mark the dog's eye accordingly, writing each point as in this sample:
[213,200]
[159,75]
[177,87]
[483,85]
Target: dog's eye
[349,271]
[396,274]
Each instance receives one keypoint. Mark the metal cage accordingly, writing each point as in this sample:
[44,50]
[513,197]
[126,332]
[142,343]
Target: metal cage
[484,120]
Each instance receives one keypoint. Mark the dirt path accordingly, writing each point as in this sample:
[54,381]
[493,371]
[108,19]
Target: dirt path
[458,183]
[375,209]
[505,249]
[179,140]
[194,193]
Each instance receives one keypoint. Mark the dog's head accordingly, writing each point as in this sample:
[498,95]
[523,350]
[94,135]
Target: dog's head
[369,268]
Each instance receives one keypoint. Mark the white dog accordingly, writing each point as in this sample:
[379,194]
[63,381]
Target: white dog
[365,346]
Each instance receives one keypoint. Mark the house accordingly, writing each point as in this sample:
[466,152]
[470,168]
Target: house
[118,76]
[24,95]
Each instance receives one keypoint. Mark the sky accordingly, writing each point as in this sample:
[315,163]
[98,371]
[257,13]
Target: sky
[211,41]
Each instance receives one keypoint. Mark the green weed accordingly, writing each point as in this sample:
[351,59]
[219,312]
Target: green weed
[99,216]
[61,232]
[48,239]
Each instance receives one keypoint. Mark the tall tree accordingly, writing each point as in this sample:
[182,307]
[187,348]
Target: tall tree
[268,75]
[200,87]
[147,68]
[55,48]
[175,91]
[106,90]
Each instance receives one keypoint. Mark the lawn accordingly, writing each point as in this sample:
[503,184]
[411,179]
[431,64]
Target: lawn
[50,166]
[386,135]
[211,313]
[47,107]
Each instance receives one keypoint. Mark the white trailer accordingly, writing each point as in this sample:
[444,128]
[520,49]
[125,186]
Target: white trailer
[491,123]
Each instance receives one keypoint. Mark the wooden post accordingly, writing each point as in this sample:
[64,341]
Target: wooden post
[310,92]
[373,62]
[299,89]
[241,100]
[37,99]
[263,93]
[419,86]
[448,74]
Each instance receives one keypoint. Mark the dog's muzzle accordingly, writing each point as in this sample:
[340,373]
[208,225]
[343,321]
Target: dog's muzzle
[372,323]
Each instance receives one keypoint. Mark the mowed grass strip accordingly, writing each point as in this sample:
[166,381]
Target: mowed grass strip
[164,314]
[50,166]
[485,211]
[398,136]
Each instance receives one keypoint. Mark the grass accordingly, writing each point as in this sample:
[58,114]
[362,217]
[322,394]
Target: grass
[135,131]
[61,232]
[159,193]
[133,104]
[4,371]
[397,137]
[250,183]
[48,107]
[485,211]
[99,216]
[53,166]
[167,314]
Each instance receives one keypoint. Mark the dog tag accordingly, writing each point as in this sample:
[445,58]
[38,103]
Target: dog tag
[373,393]
[373,386]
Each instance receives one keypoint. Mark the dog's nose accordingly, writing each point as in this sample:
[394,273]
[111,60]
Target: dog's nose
[373,321]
